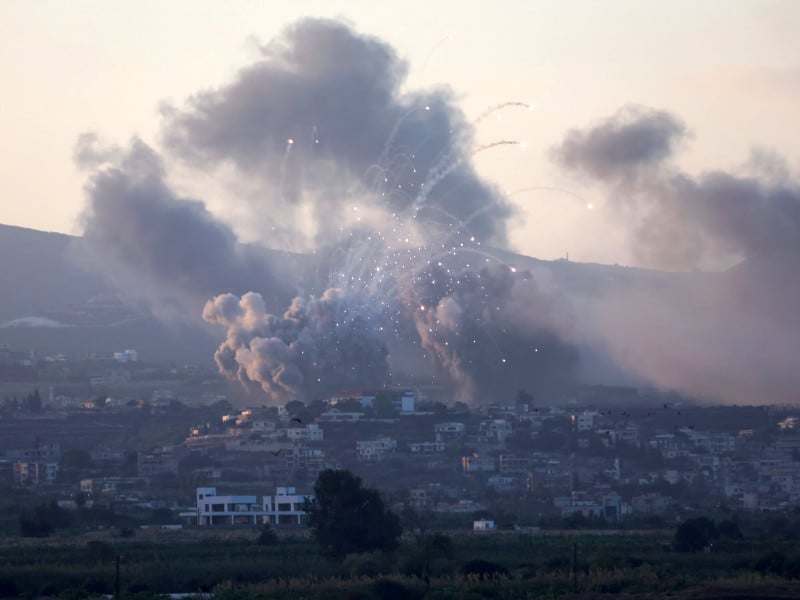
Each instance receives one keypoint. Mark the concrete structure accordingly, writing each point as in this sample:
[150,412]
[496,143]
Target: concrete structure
[285,507]
[300,457]
[426,447]
[494,430]
[157,463]
[402,401]
[311,433]
[449,431]
[126,356]
[336,416]
[478,464]
[585,420]
[34,473]
[483,525]
[375,450]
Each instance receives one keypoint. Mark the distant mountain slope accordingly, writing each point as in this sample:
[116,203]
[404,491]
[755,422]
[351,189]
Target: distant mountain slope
[37,275]
[41,285]
[49,303]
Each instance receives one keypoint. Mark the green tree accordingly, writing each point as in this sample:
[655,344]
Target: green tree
[33,402]
[694,534]
[267,537]
[347,518]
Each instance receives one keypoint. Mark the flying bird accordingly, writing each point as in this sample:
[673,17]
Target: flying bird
[298,420]
[276,452]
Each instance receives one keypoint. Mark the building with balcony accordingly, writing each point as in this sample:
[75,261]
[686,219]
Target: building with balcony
[286,506]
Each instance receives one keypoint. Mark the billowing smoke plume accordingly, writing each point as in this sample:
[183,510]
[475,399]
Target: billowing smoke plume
[170,249]
[633,139]
[321,121]
[730,335]
[684,221]
[319,143]
[316,346]
[491,332]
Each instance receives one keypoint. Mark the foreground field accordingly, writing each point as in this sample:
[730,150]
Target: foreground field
[232,564]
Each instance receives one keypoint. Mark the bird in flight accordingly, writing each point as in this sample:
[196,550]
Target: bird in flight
[298,420]
[276,452]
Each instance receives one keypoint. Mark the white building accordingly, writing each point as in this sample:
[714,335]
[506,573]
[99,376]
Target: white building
[126,356]
[494,430]
[285,507]
[585,421]
[483,525]
[335,416]
[426,447]
[310,433]
[402,401]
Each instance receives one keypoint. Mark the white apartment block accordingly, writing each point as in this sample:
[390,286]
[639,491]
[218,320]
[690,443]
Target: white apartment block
[585,421]
[310,433]
[426,447]
[285,507]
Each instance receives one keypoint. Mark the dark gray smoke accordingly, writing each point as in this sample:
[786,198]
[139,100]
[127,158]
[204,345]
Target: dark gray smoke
[318,346]
[618,147]
[491,332]
[355,137]
[729,335]
[317,138]
[171,250]
[683,221]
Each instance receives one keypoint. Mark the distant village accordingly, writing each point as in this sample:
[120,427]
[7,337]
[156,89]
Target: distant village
[114,432]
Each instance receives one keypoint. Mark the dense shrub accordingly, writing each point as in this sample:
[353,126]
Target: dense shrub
[8,588]
[267,537]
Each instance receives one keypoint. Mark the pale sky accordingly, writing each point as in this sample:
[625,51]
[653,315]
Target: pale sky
[729,69]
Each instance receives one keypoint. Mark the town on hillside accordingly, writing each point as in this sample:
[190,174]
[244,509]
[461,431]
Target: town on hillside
[165,442]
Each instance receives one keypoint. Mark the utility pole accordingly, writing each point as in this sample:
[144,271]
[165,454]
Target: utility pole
[575,567]
[117,595]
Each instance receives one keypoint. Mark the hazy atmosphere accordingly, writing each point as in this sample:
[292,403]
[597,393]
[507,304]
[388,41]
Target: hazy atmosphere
[351,198]
[413,300]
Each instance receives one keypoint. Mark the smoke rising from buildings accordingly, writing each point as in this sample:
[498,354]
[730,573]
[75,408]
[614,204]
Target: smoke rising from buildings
[317,343]
[169,249]
[490,331]
[378,183]
[356,138]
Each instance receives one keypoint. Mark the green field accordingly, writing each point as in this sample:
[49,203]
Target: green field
[232,564]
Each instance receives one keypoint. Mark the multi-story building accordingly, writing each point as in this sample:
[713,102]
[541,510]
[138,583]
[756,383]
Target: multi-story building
[401,401]
[309,433]
[426,447]
[34,473]
[478,464]
[494,430]
[211,509]
[585,421]
[375,450]
[300,457]
[446,432]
